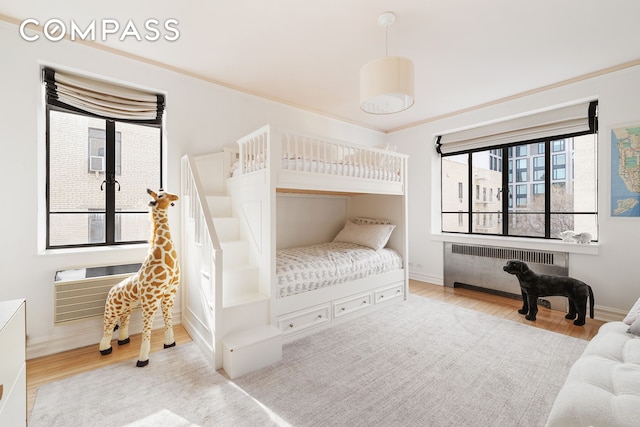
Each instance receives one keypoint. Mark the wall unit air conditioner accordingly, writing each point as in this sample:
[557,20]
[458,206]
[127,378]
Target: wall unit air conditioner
[96,164]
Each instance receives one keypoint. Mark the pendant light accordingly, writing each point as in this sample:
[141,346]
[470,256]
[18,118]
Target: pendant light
[386,84]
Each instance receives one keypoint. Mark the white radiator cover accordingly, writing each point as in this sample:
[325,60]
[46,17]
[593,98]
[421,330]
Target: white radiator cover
[480,266]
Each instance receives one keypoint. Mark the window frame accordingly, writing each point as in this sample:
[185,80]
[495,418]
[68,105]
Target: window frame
[110,183]
[509,181]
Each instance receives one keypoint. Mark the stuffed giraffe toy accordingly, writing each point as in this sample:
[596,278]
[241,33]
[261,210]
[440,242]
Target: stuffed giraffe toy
[154,285]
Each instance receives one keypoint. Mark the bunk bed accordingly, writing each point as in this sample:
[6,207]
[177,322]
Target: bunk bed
[327,222]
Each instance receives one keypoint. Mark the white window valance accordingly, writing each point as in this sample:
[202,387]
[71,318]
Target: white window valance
[564,121]
[102,98]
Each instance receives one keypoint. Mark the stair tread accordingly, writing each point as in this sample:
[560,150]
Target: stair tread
[241,267]
[248,298]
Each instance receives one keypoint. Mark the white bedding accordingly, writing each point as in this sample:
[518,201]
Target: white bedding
[312,267]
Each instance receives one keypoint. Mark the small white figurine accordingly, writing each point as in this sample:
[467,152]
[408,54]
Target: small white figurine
[572,236]
[583,237]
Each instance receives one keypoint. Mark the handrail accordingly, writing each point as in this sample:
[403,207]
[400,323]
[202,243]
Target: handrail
[205,236]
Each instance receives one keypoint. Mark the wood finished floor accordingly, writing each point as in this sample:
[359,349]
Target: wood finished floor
[47,369]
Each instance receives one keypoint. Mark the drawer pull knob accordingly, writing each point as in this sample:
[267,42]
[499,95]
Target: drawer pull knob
[319,316]
[342,309]
[291,325]
[364,302]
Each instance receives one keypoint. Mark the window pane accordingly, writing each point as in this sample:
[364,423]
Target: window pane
[455,174]
[577,222]
[75,229]
[455,222]
[585,173]
[140,157]
[133,227]
[73,185]
[526,224]
[487,179]
[487,223]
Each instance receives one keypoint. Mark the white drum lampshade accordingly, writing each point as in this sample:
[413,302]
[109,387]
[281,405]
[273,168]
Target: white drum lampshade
[386,85]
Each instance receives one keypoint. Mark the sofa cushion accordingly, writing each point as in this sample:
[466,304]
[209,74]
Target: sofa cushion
[603,385]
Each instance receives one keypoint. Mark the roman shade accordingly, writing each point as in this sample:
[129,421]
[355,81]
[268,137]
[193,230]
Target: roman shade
[565,121]
[101,98]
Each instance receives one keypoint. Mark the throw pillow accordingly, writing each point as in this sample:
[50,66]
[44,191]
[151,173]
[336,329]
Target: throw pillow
[374,236]
[633,314]
[635,327]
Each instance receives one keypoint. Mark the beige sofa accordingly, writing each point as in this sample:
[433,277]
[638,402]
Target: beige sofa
[603,385]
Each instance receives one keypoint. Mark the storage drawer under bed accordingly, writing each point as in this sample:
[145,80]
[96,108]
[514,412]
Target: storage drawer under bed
[386,294]
[304,319]
[351,304]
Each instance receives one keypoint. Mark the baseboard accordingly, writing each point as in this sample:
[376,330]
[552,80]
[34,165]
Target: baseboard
[426,278]
[608,314]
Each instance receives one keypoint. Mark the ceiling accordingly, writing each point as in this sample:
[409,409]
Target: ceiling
[308,53]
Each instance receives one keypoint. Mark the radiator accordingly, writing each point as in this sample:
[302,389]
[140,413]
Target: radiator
[480,267]
[81,294]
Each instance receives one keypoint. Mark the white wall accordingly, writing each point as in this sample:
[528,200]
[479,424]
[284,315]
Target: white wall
[200,118]
[612,268]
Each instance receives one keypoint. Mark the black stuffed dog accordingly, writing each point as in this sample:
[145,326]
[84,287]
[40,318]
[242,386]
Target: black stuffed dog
[534,285]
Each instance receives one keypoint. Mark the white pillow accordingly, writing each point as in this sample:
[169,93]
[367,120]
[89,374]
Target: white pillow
[635,327]
[366,220]
[633,314]
[374,236]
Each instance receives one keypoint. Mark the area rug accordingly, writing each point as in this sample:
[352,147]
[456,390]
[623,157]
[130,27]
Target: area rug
[413,363]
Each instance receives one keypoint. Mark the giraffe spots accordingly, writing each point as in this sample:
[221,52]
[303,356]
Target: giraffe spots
[168,260]
[157,253]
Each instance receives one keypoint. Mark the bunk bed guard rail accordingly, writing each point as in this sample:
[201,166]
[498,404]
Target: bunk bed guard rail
[290,150]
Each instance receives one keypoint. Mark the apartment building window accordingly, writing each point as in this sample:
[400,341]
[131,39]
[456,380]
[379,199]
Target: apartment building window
[97,151]
[101,158]
[559,166]
[522,170]
[548,181]
[538,168]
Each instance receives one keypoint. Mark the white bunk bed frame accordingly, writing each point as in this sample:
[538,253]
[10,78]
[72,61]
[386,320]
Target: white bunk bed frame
[374,182]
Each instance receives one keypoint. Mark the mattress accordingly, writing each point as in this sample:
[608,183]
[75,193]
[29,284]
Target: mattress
[307,268]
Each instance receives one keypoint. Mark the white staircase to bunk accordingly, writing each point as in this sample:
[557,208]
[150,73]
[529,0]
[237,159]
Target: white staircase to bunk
[224,311]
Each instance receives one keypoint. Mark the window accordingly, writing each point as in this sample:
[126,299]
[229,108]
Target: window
[98,170]
[559,166]
[551,181]
[538,168]
[521,170]
[558,145]
[97,147]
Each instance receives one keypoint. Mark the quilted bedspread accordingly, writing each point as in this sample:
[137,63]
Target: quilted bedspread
[307,268]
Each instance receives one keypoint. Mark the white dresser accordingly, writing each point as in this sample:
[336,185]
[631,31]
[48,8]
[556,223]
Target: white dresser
[13,367]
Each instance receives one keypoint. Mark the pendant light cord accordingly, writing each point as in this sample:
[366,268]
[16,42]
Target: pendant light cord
[386,40]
